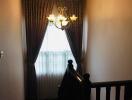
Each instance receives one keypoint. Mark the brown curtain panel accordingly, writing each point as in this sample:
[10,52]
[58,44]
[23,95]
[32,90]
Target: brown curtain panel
[35,12]
[75,31]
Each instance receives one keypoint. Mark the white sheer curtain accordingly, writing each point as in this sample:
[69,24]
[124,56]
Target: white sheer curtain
[52,62]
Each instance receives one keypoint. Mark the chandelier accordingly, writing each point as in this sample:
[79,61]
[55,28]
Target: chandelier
[62,21]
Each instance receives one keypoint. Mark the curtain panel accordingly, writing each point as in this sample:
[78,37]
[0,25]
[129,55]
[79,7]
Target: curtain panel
[75,31]
[35,13]
[50,68]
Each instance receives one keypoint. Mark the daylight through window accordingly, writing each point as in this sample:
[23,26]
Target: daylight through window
[54,53]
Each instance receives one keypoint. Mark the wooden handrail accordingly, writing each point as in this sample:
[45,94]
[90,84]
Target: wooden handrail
[111,83]
[71,70]
[108,85]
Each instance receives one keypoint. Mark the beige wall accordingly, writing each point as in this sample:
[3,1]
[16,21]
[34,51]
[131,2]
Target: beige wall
[11,65]
[109,55]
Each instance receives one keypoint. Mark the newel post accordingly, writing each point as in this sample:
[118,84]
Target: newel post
[70,65]
[86,87]
[128,91]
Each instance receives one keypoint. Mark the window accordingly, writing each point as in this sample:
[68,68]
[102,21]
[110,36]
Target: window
[54,53]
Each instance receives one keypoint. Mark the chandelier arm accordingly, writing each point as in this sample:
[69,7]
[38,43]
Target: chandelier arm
[56,25]
[65,26]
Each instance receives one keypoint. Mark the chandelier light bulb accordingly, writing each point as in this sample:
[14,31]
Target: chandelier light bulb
[61,18]
[51,18]
[64,23]
[73,18]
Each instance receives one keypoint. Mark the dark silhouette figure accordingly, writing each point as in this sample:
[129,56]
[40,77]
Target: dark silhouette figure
[70,88]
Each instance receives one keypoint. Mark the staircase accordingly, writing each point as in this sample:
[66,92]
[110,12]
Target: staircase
[77,87]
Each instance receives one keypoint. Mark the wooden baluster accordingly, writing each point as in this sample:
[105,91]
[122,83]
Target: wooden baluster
[108,91]
[117,96]
[98,89]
